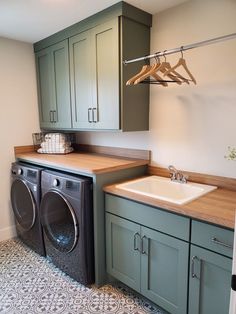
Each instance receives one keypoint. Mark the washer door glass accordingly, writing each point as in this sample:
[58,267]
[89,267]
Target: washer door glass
[59,221]
[23,204]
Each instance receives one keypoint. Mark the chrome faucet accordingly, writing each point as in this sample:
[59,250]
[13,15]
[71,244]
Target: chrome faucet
[176,175]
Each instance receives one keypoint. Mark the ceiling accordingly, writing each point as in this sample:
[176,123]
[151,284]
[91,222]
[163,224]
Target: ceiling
[32,20]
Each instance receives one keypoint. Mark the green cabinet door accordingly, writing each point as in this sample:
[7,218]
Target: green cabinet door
[94,67]
[52,66]
[209,282]
[105,69]
[164,270]
[122,250]
[45,87]
[81,81]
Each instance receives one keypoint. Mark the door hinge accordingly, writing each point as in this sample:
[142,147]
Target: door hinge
[233,282]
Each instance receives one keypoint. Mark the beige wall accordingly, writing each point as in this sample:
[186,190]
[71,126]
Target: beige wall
[190,126]
[18,115]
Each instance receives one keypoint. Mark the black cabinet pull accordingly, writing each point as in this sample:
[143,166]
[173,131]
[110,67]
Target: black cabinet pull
[54,115]
[216,241]
[193,274]
[142,245]
[51,116]
[136,248]
[95,115]
[89,115]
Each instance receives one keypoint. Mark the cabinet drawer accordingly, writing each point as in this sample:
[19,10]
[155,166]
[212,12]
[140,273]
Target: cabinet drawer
[213,238]
[149,216]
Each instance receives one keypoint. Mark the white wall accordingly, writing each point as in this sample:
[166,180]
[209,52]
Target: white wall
[190,126]
[18,116]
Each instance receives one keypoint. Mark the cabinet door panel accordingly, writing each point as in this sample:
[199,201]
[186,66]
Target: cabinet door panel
[209,290]
[81,80]
[165,270]
[123,262]
[105,49]
[60,55]
[45,87]
[53,86]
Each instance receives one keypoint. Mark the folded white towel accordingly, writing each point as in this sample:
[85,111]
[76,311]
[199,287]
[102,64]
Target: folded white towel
[51,145]
[55,137]
[56,151]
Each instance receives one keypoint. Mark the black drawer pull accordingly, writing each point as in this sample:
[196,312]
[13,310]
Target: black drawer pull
[216,241]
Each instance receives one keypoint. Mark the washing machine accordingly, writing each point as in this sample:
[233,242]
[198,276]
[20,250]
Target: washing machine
[66,214]
[25,201]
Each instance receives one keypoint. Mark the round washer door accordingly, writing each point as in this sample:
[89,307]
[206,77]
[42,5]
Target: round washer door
[59,221]
[23,204]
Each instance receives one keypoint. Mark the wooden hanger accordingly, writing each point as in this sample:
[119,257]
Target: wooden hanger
[178,78]
[166,66]
[182,63]
[152,72]
[144,69]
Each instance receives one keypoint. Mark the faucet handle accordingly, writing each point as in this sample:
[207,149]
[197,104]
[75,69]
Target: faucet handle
[172,168]
[173,172]
[183,178]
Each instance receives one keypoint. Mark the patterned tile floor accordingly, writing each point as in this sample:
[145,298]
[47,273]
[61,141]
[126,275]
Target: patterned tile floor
[29,284]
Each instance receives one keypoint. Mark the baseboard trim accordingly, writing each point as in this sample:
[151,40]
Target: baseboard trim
[7,233]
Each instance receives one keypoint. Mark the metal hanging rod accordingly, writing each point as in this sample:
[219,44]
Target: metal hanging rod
[183,48]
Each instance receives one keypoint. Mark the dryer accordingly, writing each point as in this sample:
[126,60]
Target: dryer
[25,201]
[66,213]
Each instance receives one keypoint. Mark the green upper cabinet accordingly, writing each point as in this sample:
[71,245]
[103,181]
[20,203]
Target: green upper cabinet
[94,74]
[81,83]
[52,66]
[94,66]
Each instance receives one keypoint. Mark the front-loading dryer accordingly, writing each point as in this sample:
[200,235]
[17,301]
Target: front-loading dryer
[66,213]
[25,201]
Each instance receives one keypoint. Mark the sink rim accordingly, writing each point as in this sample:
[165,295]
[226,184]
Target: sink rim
[201,189]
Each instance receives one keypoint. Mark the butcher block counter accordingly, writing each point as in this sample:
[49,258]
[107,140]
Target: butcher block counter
[87,163]
[217,207]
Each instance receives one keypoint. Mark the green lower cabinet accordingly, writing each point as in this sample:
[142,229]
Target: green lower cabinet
[122,250]
[164,270]
[209,283]
[152,263]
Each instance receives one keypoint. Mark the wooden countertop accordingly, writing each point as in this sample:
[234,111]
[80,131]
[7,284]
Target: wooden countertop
[217,207]
[83,163]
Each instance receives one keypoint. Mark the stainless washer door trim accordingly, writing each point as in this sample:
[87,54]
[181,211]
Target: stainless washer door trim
[32,200]
[72,214]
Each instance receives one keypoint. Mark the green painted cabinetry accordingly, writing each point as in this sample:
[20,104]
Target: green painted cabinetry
[148,249]
[151,262]
[52,65]
[94,66]
[209,282]
[164,270]
[210,269]
[123,250]
[95,89]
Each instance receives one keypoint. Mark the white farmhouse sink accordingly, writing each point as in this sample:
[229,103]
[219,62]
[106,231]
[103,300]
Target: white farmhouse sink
[167,190]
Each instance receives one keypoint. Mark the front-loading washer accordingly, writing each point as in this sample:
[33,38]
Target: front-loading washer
[66,214]
[25,201]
